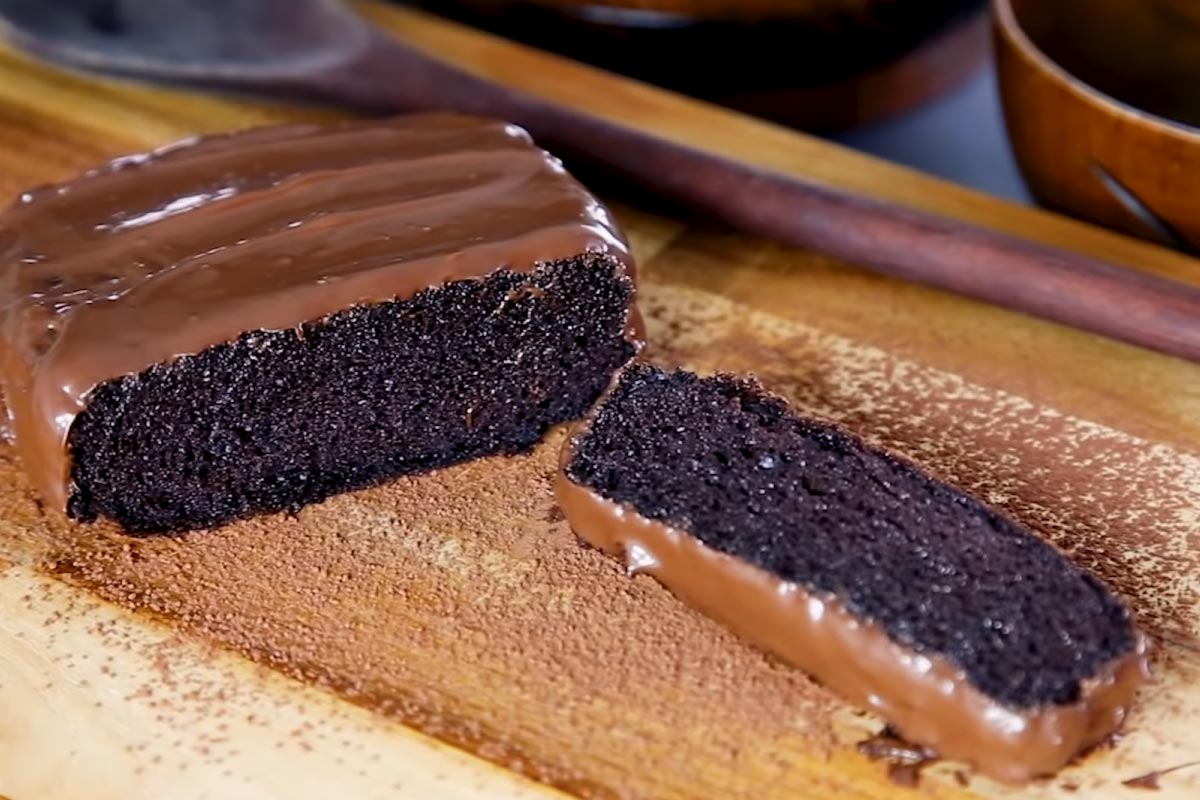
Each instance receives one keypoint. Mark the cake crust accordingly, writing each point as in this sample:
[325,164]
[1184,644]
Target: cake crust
[162,255]
[931,700]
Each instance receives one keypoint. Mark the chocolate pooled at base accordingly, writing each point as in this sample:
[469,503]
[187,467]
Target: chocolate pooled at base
[964,630]
[248,323]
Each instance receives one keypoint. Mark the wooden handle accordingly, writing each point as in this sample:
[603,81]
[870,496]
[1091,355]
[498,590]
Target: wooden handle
[997,268]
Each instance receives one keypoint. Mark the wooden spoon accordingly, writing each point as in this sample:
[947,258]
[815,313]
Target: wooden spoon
[319,50]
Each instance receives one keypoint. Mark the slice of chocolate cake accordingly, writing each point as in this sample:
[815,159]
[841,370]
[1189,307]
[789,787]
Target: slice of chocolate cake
[962,629]
[253,322]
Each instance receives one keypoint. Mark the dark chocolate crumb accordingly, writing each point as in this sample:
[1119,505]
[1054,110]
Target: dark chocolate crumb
[904,760]
[806,501]
[271,422]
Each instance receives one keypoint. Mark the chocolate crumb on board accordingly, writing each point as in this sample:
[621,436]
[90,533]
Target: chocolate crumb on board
[1151,779]
[904,760]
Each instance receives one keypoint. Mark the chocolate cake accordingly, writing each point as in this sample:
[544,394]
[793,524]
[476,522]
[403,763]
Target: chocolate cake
[964,630]
[252,322]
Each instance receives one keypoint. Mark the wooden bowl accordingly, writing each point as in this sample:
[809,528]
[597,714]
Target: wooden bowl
[1102,102]
[815,64]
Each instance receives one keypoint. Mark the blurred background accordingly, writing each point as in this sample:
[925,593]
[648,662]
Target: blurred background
[912,81]
[1089,107]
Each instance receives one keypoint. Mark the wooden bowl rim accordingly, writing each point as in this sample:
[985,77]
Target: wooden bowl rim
[1010,28]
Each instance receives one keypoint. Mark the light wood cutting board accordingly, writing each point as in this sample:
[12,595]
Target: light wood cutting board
[335,653]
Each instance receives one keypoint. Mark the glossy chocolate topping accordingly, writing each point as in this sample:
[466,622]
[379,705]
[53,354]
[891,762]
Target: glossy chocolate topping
[926,698]
[164,254]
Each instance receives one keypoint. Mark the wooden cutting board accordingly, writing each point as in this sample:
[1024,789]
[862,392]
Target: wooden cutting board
[337,652]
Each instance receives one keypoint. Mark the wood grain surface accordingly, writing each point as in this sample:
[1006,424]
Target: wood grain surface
[294,656]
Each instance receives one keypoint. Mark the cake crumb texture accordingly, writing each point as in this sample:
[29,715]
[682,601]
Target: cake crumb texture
[811,504]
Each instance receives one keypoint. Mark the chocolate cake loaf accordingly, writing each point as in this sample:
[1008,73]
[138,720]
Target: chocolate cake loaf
[965,631]
[252,322]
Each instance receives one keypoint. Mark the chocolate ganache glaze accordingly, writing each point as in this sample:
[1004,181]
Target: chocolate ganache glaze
[925,697]
[163,254]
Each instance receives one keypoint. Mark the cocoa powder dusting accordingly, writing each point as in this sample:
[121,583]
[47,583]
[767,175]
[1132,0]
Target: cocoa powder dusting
[460,601]
[1122,507]
[449,602]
